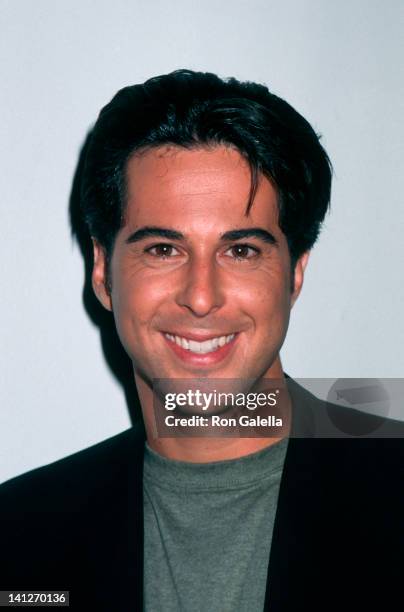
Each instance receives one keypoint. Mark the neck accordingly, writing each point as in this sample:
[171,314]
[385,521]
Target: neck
[205,449]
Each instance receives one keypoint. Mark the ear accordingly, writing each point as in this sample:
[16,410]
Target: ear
[99,275]
[299,276]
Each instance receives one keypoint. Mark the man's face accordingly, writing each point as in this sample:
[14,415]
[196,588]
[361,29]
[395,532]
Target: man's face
[199,289]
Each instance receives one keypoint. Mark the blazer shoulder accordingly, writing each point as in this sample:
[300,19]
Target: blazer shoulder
[346,445]
[65,481]
[67,523]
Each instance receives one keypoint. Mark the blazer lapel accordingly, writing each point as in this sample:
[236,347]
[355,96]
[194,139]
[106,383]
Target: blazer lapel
[294,530]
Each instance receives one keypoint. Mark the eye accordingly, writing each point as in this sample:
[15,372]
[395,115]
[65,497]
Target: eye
[242,251]
[163,250]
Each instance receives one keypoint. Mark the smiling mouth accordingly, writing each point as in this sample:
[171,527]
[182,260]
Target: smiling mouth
[200,348]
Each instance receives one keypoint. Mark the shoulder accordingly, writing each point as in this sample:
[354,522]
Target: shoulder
[68,480]
[53,519]
[346,441]
[353,482]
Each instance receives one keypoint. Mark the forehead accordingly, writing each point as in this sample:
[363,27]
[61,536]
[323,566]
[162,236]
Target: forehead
[212,185]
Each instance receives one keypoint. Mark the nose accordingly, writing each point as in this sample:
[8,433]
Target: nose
[201,289]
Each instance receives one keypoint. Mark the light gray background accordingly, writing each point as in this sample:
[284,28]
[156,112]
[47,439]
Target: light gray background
[339,63]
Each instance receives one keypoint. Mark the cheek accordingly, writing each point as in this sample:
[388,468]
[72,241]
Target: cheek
[267,299]
[136,298]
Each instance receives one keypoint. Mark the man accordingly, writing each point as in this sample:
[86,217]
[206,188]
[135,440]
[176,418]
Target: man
[203,199]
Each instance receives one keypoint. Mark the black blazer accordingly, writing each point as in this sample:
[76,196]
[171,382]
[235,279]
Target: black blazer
[77,524]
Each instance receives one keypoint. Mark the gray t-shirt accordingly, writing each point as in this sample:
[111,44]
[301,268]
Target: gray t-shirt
[208,530]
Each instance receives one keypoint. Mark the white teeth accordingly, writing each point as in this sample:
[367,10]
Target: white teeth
[184,343]
[195,347]
[207,346]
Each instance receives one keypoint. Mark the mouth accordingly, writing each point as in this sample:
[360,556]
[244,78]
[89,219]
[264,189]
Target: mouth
[202,351]
[200,348]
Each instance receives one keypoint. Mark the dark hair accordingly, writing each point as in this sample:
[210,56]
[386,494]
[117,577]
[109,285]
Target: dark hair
[194,109]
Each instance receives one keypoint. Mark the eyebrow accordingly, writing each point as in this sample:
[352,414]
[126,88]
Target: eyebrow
[231,235]
[250,232]
[152,231]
